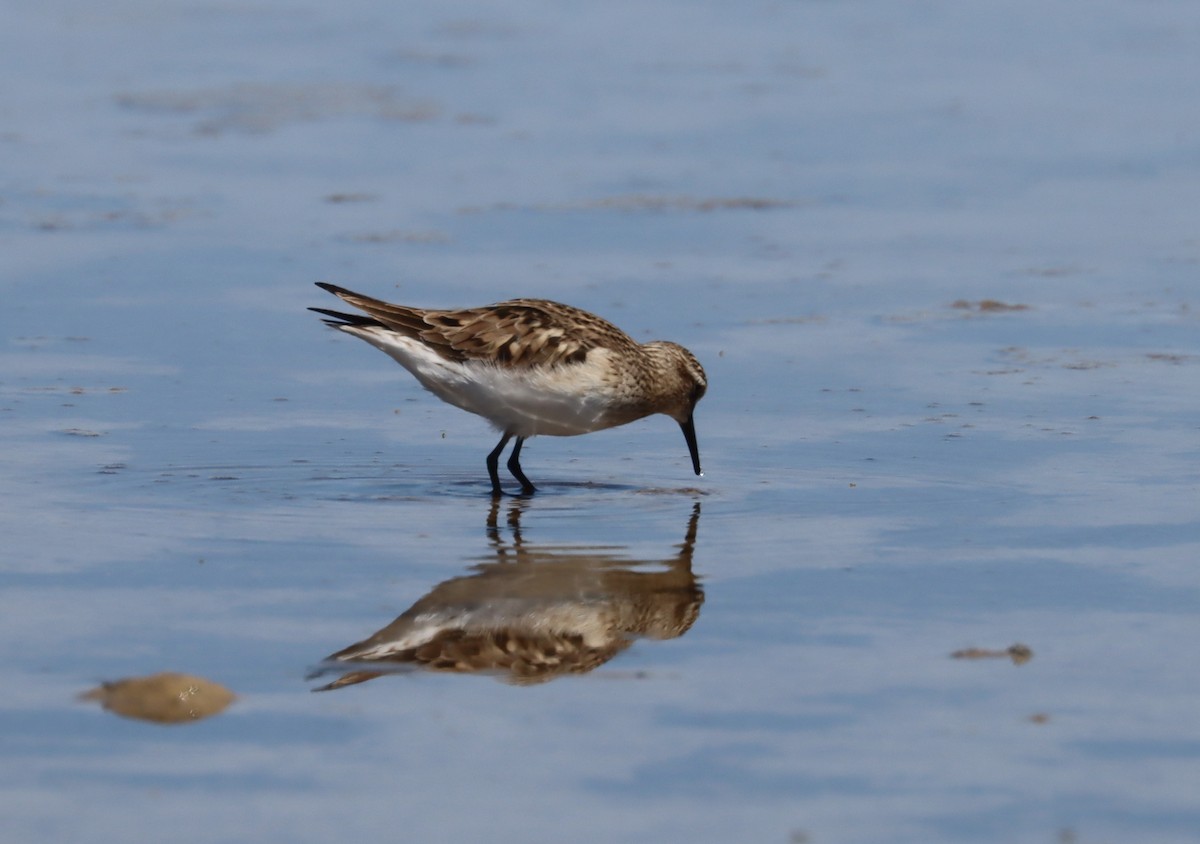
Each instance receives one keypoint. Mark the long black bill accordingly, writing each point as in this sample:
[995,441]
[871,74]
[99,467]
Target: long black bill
[689,434]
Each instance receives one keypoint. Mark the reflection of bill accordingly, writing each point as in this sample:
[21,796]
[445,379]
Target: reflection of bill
[166,698]
[533,614]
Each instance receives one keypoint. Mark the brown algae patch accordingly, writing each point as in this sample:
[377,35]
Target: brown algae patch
[988,306]
[164,698]
[1018,653]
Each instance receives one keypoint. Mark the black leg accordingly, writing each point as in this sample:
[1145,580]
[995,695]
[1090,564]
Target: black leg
[493,461]
[514,466]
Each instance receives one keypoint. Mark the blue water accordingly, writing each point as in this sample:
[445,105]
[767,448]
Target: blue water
[197,476]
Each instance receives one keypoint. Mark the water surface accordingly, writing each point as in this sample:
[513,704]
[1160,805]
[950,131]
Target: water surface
[940,264]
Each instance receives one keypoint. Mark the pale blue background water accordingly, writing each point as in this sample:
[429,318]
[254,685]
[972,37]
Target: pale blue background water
[888,478]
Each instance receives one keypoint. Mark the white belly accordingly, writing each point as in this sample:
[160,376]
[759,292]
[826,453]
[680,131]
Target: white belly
[559,401]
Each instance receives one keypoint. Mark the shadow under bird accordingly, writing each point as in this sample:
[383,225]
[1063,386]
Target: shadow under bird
[531,366]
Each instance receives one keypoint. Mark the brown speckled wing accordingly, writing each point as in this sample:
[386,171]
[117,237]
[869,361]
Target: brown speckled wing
[521,657]
[519,333]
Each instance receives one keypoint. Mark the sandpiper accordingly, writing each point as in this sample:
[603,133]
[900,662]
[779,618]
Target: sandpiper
[531,366]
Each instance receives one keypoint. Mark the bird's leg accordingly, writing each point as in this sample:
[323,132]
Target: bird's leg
[493,461]
[514,466]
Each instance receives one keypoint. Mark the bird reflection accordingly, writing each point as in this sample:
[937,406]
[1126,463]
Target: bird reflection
[529,614]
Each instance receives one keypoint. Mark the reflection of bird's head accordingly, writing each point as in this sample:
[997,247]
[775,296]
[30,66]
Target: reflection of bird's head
[673,620]
[659,605]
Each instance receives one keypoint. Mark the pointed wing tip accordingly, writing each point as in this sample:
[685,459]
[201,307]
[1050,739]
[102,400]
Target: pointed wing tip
[337,319]
[340,292]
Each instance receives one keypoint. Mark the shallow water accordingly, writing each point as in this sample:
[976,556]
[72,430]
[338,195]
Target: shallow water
[940,265]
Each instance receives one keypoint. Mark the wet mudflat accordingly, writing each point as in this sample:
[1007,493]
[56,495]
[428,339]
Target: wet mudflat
[938,582]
